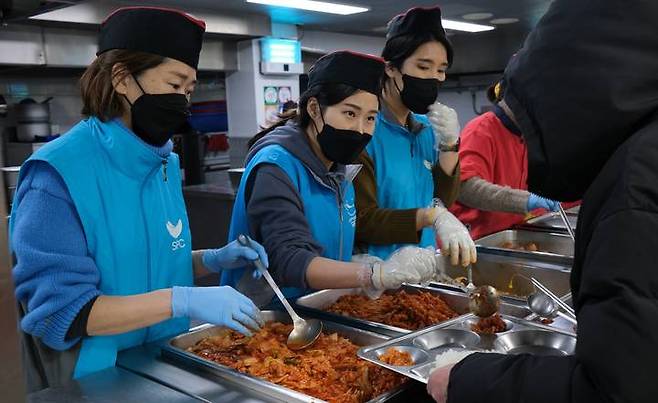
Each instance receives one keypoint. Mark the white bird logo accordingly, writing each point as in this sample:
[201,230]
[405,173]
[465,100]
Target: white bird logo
[175,230]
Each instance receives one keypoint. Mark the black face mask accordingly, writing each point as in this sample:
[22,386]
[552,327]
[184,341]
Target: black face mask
[156,117]
[341,146]
[418,93]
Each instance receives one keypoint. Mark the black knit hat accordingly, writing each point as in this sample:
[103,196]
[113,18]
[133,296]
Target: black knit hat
[160,31]
[419,20]
[358,70]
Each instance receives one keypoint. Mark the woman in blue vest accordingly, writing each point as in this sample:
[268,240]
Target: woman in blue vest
[412,154]
[99,228]
[296,194]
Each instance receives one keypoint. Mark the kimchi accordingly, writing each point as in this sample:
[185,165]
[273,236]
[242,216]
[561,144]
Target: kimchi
[329,369]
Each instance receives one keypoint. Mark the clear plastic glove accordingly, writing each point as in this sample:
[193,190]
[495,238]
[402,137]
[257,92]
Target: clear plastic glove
[535,202]
[364,274]
[222,306]
[422,260]
[233,256]
[440,273]
[445,123]
[410,264]
[456,242]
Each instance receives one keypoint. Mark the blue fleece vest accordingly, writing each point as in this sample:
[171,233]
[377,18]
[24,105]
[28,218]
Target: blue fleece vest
[403,169]
[134,221]
[331,217]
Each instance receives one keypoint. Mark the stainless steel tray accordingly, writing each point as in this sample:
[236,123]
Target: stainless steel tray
[553,247]
[315,304]
[511,275]
[176,349]
[551,221]
[425,345]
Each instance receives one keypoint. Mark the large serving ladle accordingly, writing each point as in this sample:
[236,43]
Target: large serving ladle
[304,332]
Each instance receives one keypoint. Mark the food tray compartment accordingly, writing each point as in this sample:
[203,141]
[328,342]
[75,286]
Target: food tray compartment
[521,336]
[418,355]
[445,338]
[176,349]
[536,342]
[468,323]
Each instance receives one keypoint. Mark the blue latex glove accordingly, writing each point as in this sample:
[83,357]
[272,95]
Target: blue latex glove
[233,256]
[222,306]
[535,202]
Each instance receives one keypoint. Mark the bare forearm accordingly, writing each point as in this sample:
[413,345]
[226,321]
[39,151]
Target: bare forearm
[114,315]
[448,162]
[323,273]
[425,218]
[197,264]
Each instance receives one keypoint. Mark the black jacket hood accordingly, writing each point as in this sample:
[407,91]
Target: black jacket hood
[584,82]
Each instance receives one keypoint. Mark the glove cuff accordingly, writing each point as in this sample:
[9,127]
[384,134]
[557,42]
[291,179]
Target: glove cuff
[437,215]
[180,301]
[208,258]
[376,276]
[454,147]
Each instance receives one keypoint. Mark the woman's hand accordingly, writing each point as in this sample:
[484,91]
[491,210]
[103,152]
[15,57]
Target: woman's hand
[234,256]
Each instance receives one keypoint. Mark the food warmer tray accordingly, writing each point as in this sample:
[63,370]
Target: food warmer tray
[315,305]
[425,345]
[553,247]
[176,349]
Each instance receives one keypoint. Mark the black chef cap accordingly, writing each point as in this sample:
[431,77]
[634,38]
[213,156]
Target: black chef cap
[419,20]
[358,70]
[160,31]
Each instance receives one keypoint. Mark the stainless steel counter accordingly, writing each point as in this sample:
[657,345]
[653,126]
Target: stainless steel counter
[111,385]
[146,361]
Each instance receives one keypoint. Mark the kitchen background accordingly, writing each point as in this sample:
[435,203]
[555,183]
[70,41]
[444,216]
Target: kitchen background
[243,80]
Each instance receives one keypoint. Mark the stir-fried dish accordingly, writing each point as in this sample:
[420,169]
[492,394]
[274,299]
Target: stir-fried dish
[401,309]
[491,325]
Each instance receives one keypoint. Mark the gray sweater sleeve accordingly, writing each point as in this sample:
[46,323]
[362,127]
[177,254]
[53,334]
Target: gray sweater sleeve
[276,220]
[482,195]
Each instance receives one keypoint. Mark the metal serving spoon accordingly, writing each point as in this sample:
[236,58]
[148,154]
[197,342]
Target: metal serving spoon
[469,272]
[304,332]
[541,305]
[484,301]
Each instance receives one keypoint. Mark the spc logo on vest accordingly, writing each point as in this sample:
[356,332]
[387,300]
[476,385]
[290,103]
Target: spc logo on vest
[175,231]
[350,208]
[427,164]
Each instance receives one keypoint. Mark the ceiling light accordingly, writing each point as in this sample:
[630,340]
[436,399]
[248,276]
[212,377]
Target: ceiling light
[477,16]
[311,5]
[466,26]
[501,21]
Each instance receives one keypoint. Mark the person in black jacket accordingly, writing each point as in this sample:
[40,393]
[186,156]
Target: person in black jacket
[584,92]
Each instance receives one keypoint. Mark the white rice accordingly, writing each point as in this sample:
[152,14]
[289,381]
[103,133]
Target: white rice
[453,356]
